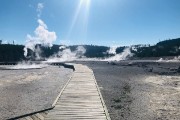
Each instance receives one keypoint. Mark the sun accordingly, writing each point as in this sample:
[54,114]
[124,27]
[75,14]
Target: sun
[81,14]
[85,2]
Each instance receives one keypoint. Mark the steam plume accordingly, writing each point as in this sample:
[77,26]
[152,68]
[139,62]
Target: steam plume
[175,59]
[41,34]
[40,6]
[25,65]
[67,55]
[122,56]
[112,50]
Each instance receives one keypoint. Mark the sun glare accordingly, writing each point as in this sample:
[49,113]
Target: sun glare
[86,2]
[82,8]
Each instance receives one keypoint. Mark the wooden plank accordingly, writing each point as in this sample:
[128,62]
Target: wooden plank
[39,116]
[29,118]
[60,117]
[80,99]
[34,117]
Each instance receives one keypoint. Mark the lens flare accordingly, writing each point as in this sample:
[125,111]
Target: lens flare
[87,2]
[81,15]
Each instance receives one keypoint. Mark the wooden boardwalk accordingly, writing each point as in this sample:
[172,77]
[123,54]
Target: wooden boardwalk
[80,99]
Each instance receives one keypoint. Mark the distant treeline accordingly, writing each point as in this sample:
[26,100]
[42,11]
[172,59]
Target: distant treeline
[164,48]
[9,52]
[93,51]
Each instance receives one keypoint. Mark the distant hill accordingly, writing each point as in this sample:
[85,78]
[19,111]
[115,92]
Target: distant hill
[164,48]
[10,52]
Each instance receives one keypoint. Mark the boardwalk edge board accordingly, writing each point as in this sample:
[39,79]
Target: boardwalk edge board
[53,105]
[102,100]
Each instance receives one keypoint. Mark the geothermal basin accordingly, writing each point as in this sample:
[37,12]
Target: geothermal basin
[135,89]
[139,89]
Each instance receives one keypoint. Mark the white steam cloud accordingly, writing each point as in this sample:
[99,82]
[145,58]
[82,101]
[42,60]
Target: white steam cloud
[122,56]
[112,50]
[67,55]
[41,35]
[26,65]
[175,59]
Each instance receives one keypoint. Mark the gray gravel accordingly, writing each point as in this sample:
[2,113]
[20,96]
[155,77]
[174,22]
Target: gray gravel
[132,92]
[27,91]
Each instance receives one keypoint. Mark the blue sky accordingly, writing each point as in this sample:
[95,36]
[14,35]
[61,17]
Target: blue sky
[101,22]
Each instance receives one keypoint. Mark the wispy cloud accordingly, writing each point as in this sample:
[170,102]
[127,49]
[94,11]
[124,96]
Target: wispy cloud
[40,6]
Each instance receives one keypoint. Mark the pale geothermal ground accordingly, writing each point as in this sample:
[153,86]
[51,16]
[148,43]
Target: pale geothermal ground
[26,91]
[135,91]
[139,91]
